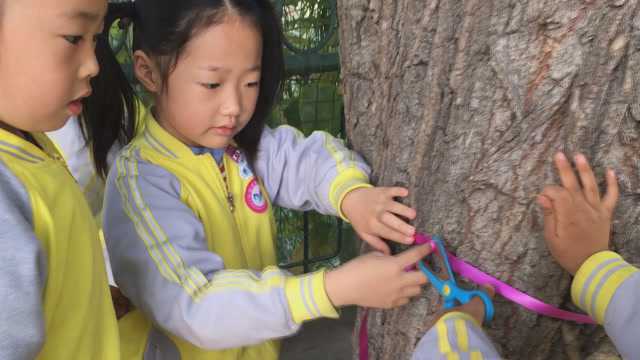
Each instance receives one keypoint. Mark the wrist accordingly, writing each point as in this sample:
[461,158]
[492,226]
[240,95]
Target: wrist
[334,288]
[345,203]
[579,262]
[345,200]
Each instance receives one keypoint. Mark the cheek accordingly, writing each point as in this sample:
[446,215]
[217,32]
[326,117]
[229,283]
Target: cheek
[189,111]
[43,82]
[250,101]
[53,76]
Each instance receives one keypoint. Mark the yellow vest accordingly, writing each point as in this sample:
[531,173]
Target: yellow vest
[78,314]
[245,237]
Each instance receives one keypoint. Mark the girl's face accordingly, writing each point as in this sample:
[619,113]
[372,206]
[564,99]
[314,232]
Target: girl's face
[47,57]
[213,90]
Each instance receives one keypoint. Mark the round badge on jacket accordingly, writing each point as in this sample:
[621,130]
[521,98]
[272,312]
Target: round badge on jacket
[253,197]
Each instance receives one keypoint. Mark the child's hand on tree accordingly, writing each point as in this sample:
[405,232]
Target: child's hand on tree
[377,280]
[577,221]
[376,215]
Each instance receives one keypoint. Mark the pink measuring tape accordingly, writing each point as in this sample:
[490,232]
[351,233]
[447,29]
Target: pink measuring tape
[477,276]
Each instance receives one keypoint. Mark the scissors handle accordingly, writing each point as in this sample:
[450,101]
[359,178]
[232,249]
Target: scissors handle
[435,281]
[456,296]
[460,296]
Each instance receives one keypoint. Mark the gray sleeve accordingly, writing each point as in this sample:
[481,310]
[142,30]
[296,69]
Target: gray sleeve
[22,275]
[457,336]
[161,262]
[299,173]
[622,319]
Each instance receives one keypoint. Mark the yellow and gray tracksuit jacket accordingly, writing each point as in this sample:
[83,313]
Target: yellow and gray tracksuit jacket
[73,147]
[77,155]
[75,150]
[54,298]
[606,287]
[201,272]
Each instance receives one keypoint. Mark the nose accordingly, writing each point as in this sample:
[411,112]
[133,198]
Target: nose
[90,66]
[232,104]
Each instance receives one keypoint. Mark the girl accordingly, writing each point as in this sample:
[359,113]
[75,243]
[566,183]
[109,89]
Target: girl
[53,288]
[188,220]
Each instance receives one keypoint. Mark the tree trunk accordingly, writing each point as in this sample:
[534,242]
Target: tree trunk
[465,102]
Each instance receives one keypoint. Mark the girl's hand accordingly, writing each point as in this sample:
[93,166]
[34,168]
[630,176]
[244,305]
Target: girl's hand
[377,280]
[375,215]
[577,222]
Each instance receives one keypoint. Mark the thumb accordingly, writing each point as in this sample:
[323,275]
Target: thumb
[413,255]
[545,204]
[549,217]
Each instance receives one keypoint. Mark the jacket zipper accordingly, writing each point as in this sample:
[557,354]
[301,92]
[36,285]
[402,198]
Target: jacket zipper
[230,202]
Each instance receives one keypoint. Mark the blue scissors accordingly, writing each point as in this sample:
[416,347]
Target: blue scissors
[449,289]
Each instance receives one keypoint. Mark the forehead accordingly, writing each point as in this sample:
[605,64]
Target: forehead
[75,11]
[235,42]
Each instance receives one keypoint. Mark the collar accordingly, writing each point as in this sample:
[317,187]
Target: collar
[21,149]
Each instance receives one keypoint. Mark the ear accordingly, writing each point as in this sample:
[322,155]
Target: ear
[147,72]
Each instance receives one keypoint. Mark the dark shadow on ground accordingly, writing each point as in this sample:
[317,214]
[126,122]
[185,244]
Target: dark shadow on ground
[322,339]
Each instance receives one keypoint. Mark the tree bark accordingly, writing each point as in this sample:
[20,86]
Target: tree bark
[465,102]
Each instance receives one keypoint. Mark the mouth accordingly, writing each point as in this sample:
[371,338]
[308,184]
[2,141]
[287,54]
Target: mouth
[224,130]
[74,107]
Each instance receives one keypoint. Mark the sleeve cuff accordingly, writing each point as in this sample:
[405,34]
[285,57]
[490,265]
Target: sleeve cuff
[460,315]
[596,282]
[347,181]
[308,298]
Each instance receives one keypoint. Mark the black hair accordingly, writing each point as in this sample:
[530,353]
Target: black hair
[109,114]
[163,28]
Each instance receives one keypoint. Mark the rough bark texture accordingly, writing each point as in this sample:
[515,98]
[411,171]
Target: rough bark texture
[465,102]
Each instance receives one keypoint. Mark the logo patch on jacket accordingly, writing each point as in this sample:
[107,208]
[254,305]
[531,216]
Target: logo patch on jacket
[253,197]
[234,153]
[243,165]
[245,170]
[252,194]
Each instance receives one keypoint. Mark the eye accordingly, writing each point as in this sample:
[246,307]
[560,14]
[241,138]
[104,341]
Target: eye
[210,86]
[253,84]
[73,39]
